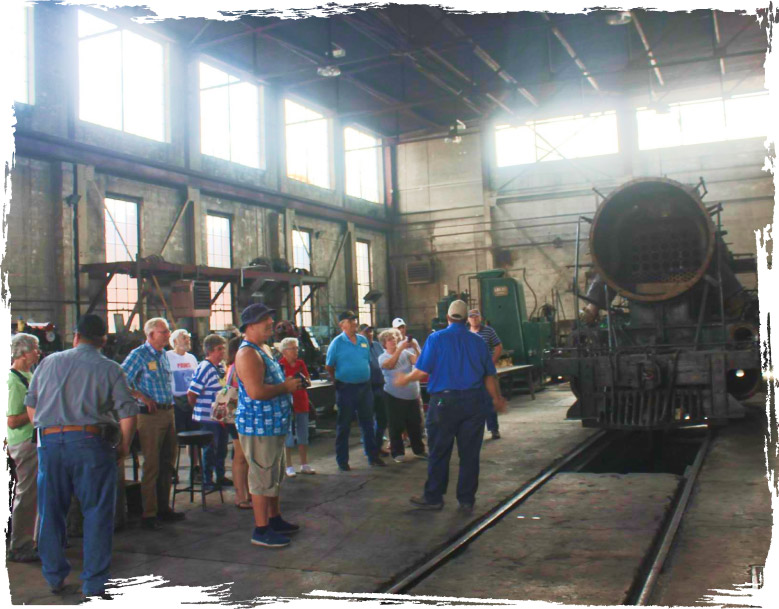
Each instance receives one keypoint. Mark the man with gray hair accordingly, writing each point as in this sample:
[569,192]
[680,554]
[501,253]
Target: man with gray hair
[21,449]
[148,373]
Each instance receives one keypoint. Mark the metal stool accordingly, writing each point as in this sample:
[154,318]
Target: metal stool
[196,440]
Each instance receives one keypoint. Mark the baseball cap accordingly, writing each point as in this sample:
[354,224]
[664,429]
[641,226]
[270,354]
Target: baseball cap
[91,326]
[364,327]
[474,313]
[458,310]
[397,322]
[347,315]
[254,313]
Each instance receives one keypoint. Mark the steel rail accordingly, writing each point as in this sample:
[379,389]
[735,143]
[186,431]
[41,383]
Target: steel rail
[644,593]
[431,564]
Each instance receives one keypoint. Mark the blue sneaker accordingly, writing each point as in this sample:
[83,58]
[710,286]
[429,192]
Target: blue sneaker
[280,525]
[269,539]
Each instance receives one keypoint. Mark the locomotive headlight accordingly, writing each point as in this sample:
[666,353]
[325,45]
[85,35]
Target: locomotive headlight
[740,374]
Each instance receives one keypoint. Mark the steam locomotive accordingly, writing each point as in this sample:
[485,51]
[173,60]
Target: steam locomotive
[678,344]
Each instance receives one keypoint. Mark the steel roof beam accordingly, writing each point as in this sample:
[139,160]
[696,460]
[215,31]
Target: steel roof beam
[647,48]
[572,53]
[483,55]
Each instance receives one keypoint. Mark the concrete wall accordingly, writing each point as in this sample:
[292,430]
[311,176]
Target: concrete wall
[39,257]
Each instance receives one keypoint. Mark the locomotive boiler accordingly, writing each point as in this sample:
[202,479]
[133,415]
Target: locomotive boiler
[678,344]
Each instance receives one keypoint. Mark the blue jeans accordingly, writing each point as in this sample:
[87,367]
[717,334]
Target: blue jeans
[351,398]
[492,418]
[83,464]
[215,453]
[455,415]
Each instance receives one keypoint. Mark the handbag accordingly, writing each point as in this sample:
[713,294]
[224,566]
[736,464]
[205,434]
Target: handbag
[225,402]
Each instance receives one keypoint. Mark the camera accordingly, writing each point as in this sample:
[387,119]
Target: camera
[304,380]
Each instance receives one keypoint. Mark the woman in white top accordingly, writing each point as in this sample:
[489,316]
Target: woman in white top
[402,402]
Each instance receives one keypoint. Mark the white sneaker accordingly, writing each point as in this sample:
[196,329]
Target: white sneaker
[307,469]
[291,472]
[399,459]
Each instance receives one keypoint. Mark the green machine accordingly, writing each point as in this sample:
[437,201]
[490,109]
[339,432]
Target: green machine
[503,307]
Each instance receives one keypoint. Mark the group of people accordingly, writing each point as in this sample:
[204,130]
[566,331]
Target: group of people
[86,409]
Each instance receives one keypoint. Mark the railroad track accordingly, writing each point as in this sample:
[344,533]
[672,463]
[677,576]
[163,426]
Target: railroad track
[578,459]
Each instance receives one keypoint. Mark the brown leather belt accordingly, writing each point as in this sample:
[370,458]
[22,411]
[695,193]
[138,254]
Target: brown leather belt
[61,428]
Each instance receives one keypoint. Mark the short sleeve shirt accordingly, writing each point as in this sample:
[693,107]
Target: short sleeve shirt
[403,365]
[299,397]
[148,371]
[16,393]
[489,336]
[352,361]
[456,359]
[182,368]
[205,384]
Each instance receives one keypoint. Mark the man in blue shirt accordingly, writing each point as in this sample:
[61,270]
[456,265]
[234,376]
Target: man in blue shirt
[349,365]
[149,376]
[462,378]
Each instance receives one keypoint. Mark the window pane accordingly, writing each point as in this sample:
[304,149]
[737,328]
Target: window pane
[218,241]
[222,309]
[244,124]
[144,86]
[746,116]
[211,76]
[362,165]
[19,16]
[702,122]
[100,80]
[514,145]
[215,123]
[301,249]
[89,25]
[121,243]
[308,145]
[363,254]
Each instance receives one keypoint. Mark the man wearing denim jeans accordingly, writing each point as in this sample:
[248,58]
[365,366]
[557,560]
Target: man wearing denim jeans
[462,378]
[349,364]
[81,405]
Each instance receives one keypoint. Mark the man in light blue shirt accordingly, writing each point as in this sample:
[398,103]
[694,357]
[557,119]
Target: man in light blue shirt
[349,365]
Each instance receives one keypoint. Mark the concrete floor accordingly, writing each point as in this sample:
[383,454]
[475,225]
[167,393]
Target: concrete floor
[358,531]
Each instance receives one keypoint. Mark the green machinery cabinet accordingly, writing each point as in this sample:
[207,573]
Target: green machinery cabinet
[503,306]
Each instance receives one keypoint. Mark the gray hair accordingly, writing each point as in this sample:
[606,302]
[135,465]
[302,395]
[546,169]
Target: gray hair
[149,326]
[289,342]
[389,334]
[213,342]
[175,335]
[22,344]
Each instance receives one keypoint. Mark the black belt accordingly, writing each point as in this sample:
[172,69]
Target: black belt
[145,410]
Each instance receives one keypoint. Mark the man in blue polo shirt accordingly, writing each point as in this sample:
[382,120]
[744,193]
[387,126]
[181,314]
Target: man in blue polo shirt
[349,364]
[462,378]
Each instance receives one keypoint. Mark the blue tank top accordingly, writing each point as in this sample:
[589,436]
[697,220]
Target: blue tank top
[263,417]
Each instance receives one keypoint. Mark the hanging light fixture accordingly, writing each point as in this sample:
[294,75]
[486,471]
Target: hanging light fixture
[454,132]
[328,71]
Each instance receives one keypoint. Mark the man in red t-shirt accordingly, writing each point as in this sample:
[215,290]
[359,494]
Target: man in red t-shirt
[299,432]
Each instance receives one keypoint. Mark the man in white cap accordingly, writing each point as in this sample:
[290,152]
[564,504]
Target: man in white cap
[413,346]
[462,379]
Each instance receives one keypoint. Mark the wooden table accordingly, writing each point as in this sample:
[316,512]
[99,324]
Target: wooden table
[526,369]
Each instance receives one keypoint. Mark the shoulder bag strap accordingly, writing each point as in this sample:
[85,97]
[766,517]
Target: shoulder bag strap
[21,378]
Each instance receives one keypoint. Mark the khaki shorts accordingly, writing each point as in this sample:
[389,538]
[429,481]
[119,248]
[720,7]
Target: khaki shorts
[265,455]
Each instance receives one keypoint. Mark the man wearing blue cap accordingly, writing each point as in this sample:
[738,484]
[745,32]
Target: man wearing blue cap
[263,421]
[349,364]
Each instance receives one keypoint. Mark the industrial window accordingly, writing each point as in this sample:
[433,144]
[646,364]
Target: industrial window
[301,259]
[363,165]
[365,309]
[308,145]
[21,17]
[567,137]
[702,121]
[229,117]
[219,254]
[121,78]
[121,244]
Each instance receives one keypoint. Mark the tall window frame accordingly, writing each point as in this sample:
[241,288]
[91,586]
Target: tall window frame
[308,142]
[363,165]
[122,78]
[301,259]
[219,253]
[230,116]
[365,311]
[122,232]
[23,75]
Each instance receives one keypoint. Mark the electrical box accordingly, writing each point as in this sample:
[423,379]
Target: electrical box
[189,298]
